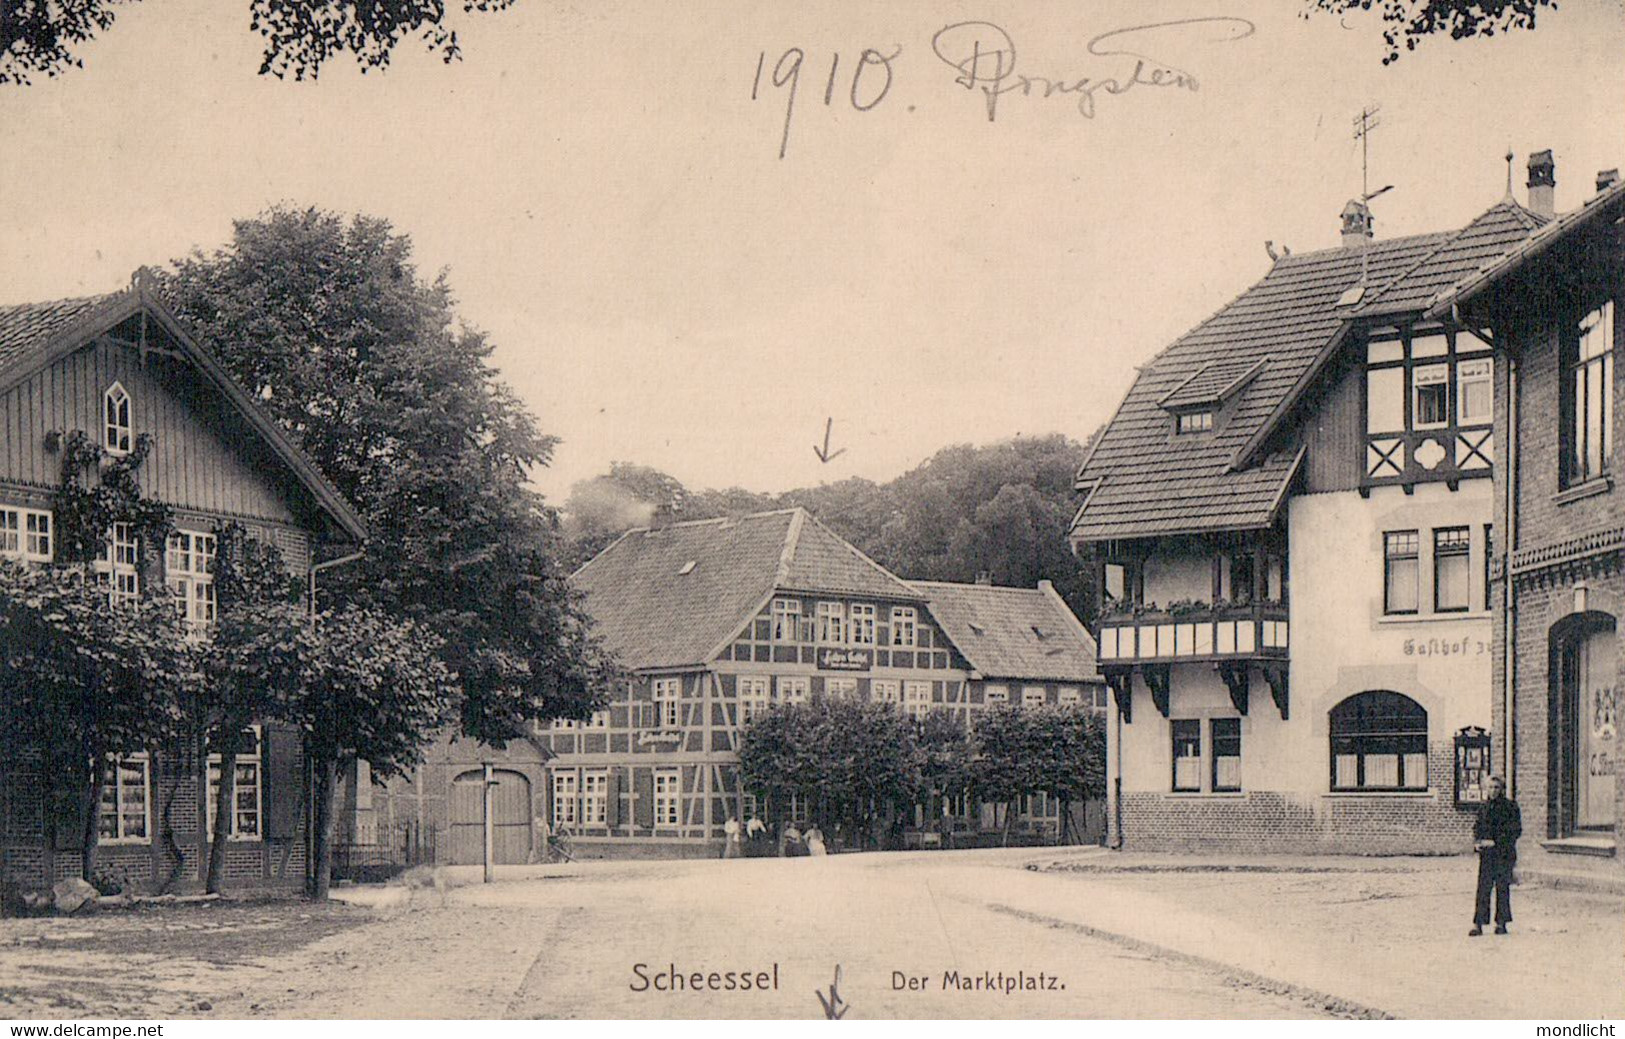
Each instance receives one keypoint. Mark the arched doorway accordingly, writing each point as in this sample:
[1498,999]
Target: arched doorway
[510,810]
[1584,729]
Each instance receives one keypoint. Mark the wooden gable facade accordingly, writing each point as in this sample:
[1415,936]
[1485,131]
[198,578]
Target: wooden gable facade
[119,368]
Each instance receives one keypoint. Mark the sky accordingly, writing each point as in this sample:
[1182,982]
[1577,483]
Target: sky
[663,286]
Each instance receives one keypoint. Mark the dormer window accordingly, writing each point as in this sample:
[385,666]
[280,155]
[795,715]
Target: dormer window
[116,435]
[1193,422]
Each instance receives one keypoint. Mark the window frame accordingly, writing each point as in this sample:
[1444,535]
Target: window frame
[672,798]
[755,695]
[1389,558]
[1189,423]
[667,693]
[254,760]
[831,620]
[1186,732]
[1452,550]
[1029,700]
[192,587]
[1581,372]
[786,620]
[1359,740]
[902,616]
[840,687]
[115,783]
[118,429]
[594,804]
[113,569]
[1069,696]
[879,689]
[995,692]
[566,795]
[917,699]
[792,688]
[1228,739]
[24,527]
[862,623]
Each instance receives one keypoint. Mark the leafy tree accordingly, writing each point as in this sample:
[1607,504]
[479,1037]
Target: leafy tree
[1057,751]
[945,755]
[376,690]
[257,661]
[85,680]
[367,367]
[1411,21]
[301,36]
[848,760]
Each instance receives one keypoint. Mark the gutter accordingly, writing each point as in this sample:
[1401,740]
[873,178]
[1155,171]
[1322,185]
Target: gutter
[317,568]
[1509,665]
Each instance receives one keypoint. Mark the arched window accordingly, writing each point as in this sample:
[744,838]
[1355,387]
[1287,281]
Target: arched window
[1379,742]
[116,427]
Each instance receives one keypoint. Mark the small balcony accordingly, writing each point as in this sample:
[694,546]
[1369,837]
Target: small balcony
[1193,632]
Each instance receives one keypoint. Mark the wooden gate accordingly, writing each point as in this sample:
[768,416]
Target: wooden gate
[510,809]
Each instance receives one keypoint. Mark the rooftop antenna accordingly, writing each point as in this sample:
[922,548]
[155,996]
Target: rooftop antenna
[1364,123]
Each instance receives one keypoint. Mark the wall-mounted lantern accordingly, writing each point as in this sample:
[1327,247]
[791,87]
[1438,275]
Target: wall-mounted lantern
[1472,767]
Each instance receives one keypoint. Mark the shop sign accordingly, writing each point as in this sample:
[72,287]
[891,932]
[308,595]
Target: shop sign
[670,737]
[845,659]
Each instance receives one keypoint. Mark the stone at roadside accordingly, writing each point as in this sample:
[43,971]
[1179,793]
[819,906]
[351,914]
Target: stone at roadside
[73,894]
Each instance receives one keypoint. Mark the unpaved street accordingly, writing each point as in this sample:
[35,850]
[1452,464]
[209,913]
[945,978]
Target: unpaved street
[1082,933]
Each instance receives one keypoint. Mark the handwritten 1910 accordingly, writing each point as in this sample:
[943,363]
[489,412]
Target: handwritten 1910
[982,56]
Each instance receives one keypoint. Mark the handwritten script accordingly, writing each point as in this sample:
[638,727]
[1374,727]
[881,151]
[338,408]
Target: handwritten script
[983,56]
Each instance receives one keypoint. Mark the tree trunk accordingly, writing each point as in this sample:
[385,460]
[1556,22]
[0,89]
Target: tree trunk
[93,817]
[1065,827]
[224,808]
[1009,821]
[326,781]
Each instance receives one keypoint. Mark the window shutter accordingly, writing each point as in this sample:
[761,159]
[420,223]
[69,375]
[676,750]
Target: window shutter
[284,790]
[68,802]
[548,812]
[644,809]
[612,795]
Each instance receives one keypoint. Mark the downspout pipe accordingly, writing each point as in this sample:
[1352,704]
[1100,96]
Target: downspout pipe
[1509,664]
[317,568]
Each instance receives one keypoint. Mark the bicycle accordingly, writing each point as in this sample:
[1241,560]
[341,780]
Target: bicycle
[560,846]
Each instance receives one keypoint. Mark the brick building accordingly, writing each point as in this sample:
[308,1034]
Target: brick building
[1291,515]
[118,367]
[719,620]
[1553,309]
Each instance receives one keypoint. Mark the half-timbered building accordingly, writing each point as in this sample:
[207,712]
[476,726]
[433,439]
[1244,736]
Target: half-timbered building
[1291,519]
[119,367]
[719,620]
[1553,307]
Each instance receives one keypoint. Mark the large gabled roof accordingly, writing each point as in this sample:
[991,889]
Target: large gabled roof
[1013,633]
[36,335]
[673,596]
[1143,481]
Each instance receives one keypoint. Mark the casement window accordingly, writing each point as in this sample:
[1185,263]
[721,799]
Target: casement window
[189,567]
[118,569]
[1187,747]
[668,790]
[668,701]
[886,690]
[594,798]
[996,694]
[25,534]
[917,699]
[1225,734]
[246,795]
[1379,741]
[565,804]
[832,623]
[841,687]
[1452,567]
[1069,696]
[862,623]
[903,619]
[126,809]
[1587,398]
[1032,696]
[786,619]
[599,719]
[116,435]
[1114,582]
[792,689]
[754,696]
[1401,571]
[1409,379]
[1193,422]
[1475,392]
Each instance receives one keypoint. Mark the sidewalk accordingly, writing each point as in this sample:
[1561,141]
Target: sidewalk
[1387,935]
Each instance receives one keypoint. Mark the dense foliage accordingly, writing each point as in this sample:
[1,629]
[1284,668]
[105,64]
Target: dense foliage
[367,367]
[1056,751]
[1001,509]
[1408,22]
[301,36]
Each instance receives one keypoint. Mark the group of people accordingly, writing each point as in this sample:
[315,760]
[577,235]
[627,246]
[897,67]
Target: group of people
[752,840]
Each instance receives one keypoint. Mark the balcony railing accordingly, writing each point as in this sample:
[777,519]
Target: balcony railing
[1202,632]
[1446,454]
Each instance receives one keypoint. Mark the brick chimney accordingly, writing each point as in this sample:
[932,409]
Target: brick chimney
[1542,183]
[1607,179]
[1356,224]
